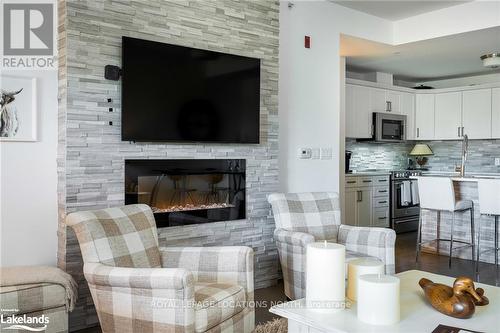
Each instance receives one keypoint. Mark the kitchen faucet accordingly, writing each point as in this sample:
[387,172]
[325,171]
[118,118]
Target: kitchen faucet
[465,147]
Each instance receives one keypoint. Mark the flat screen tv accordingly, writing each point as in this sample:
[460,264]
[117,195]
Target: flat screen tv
[173,93]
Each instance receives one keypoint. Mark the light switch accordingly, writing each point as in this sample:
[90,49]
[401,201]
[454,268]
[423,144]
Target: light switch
[497,161]
[305,153]
[315,153]
[326,153]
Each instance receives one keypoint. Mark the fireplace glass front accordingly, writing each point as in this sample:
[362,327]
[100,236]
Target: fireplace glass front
[185,192]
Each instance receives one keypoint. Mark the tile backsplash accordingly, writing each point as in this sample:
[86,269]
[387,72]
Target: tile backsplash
[376,155]
[447,154]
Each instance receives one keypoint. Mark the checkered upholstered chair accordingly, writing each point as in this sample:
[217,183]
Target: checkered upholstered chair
[138,286]
[303,218]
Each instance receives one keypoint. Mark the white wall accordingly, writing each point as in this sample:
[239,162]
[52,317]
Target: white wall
[470,16]
[309,93]
[28,185]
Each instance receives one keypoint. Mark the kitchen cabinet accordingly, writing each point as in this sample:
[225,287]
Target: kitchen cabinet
[361,102]
[364,207]
[477,116]
[366,201]
[407,108]
[358,114]
[383,100]
[495,113]
[393,100]
[424,116]
[377,100]
[358,206]
[436,115]
[350,206]
[448,116]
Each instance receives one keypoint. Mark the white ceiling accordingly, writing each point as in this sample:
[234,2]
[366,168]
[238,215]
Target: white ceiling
[444,57]
[397,10]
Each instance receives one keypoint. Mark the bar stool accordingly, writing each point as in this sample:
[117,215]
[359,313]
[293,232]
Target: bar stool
[489,204]
[438,194]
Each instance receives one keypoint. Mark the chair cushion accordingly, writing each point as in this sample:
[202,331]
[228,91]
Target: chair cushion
[121,237]
[315,213]
[216,302]
[463,204]
[31,297]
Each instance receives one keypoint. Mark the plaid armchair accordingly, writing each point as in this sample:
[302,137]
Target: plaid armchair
[137,286]
[303,218]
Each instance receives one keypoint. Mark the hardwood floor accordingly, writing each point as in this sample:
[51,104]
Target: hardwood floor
[405,260]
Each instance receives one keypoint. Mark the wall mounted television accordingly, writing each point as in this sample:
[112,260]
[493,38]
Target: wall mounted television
[172,93]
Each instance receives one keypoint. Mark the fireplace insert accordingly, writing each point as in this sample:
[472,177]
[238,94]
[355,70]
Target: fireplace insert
[188,191]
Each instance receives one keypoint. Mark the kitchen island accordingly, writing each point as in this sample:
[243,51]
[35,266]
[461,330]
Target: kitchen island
[465,189]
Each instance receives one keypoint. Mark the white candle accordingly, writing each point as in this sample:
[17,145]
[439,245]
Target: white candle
[359,267]
[378,299]
[325,276]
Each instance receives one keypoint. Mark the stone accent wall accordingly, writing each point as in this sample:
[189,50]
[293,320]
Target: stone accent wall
[91,153]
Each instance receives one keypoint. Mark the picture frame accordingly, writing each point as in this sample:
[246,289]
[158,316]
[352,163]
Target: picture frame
[18,113]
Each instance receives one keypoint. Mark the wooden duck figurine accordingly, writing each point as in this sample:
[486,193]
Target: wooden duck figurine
[459,301]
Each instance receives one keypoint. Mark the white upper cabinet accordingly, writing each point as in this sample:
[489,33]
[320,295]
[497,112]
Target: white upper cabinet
[383,100]
[393,101]
[407,108]
[358,114]
[424,116]
[495,113]
[436,115]
[377,100]
[448,116]
[477,113]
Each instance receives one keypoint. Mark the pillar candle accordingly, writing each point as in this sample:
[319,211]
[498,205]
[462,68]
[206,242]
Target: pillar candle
[325,276]
[359,267]
[378,299]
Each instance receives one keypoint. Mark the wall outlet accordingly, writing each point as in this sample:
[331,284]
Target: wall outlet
[305,153]
[497,161]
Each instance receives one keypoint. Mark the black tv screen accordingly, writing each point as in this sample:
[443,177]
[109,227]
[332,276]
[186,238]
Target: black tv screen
[181,94]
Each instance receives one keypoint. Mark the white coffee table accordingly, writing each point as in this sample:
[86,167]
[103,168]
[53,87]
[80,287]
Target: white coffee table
[416,314]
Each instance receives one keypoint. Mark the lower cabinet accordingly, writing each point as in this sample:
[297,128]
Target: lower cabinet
[366,201]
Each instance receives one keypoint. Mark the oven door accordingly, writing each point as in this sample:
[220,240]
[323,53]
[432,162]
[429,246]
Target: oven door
[399,208]
[389,127]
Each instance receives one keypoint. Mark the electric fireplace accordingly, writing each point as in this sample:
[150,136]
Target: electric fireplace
[188,191]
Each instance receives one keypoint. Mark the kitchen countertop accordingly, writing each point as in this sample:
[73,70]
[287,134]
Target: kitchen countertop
[469,176]
[356,173]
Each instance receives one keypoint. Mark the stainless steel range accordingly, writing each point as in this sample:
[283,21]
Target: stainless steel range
[405,208]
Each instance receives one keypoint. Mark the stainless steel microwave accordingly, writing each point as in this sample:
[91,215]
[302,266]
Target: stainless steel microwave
[389,127]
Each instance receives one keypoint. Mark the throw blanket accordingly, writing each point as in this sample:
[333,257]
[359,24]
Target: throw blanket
[13,276]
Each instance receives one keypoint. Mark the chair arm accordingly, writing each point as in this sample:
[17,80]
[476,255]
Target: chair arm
[375,242]
[224,264]
[143,278]
[162,298]
[293,237]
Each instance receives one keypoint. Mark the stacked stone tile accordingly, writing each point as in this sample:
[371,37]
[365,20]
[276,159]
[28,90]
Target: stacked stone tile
[447,154]
[91,154]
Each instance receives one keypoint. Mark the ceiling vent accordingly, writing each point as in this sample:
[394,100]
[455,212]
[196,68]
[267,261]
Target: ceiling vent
[491,60]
